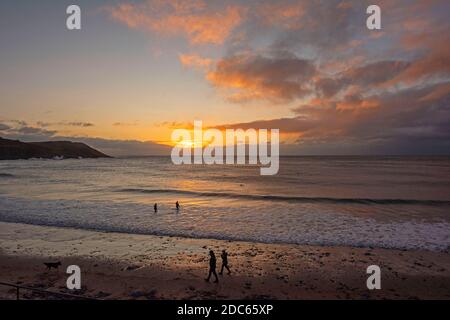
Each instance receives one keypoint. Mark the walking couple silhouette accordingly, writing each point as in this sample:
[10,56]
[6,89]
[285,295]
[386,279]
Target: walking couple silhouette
[212,265]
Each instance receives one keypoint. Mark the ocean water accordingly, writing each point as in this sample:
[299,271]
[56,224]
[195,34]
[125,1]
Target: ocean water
[390,202]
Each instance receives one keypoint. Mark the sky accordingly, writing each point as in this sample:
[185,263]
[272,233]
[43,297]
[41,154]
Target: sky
[137,70]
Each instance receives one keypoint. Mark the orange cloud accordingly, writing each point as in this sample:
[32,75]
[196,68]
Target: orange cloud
[195,61]
[248,77]
[434,62]
[439,92]
[192,19]
[279,14]
[356,103]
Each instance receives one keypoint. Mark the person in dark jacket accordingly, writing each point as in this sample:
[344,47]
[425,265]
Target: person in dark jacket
[212,266]
[224,257]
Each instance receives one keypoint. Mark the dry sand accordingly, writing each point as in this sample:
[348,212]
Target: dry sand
[124,266]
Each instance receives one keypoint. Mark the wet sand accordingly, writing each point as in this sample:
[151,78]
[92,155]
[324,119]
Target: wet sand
[124,266]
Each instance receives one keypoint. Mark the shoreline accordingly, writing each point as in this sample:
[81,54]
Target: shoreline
[125,266]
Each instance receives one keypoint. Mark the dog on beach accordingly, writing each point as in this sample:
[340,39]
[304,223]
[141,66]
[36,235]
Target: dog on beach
[50,265]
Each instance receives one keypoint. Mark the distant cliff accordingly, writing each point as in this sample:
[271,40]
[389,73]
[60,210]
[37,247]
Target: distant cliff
[14,149]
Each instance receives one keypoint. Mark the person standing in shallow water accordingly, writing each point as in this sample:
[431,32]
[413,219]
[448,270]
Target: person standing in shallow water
[224,257]
[212,266]
[177,205]
[155,207]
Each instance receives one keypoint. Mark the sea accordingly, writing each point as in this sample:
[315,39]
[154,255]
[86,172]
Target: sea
[358,201]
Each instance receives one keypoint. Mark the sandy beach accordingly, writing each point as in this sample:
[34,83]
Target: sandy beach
[123,266]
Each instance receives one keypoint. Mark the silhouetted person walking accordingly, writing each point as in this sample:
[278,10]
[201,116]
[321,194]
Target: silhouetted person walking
[155,207]
[212,266]
[224,257]
[177,205]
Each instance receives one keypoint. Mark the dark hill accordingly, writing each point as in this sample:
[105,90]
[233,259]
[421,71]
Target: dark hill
[14,149]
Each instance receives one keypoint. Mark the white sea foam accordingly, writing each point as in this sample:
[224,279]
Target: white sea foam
[257,222]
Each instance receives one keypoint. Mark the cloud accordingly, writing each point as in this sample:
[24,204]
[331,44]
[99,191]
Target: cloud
[195,61]
[320,28]
[399,118]
[279,78]
[80,124]
[374,73]
[27,133]
[175,125]
[363,77]
[64,123]
[18,122]
[287,125]
[125,124]
[193,19]
[4,127]
[33,130]
[410,121]
[285,78]
[434,62]
[123,148]
[287,15]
